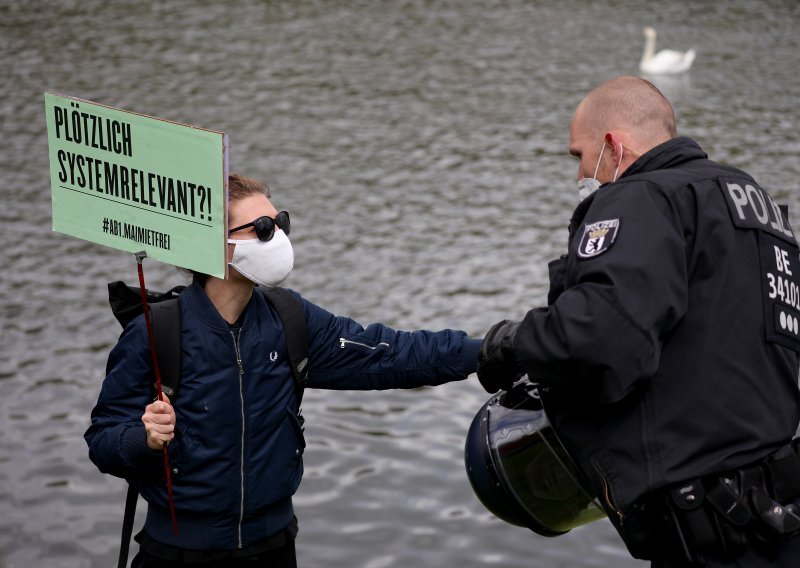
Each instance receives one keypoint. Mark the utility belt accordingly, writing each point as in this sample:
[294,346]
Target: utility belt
[720,515]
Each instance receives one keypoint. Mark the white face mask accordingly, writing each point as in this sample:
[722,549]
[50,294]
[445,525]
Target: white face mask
[266,263]
[587,186]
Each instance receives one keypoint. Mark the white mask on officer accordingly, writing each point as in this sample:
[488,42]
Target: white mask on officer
[587,186]
[266,263]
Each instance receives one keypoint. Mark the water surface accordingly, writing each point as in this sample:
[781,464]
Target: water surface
[420,146]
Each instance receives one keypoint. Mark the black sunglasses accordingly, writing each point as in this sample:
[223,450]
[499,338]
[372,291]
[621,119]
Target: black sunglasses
[265,226]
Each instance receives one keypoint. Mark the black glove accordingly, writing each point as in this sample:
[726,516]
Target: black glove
[497,361]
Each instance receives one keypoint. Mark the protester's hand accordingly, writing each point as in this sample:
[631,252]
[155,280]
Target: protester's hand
[159,423]
[497,362]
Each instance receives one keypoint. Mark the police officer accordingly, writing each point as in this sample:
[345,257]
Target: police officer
[668,351]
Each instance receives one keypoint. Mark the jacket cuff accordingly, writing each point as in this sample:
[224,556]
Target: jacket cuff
[470,349]
[134,449]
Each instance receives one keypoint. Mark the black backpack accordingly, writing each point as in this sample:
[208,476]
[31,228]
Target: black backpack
[126,304]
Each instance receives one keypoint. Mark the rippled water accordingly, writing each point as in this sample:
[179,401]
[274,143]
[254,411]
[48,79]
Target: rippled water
[420,146]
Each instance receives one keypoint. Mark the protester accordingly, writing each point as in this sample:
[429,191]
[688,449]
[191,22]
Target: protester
[235,439]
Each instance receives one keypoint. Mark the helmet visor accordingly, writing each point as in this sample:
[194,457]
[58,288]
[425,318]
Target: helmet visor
[532,464]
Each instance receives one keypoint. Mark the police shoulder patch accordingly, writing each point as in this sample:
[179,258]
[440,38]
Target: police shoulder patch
[598,237]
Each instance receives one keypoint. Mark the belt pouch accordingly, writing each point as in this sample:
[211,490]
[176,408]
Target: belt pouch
[784,475]
[694,527]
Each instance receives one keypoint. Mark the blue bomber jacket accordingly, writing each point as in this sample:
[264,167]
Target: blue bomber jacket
[236,459]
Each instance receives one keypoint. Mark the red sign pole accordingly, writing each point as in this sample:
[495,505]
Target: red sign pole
[151,339]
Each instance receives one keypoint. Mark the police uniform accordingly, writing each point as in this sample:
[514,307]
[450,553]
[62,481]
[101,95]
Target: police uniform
[668,351]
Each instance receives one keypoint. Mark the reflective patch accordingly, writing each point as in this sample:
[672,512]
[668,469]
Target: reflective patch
[598,238]
[752,208]
[780,267]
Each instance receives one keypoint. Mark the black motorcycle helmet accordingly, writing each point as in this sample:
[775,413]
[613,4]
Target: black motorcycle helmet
[520,471]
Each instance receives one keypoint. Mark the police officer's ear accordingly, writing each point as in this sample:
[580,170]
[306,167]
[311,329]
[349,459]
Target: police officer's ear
[614,145]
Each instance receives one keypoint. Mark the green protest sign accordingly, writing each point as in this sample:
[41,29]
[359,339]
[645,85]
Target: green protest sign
[138,183]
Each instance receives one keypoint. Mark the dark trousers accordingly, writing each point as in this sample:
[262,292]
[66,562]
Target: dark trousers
[283,557]
[779,555]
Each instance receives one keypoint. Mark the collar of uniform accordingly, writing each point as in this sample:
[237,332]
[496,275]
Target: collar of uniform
[667,155]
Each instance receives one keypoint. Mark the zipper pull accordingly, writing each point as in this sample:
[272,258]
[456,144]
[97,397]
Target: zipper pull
[237,351]
[343,342]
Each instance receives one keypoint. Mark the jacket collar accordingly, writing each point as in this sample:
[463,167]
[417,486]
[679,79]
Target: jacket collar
[203,308]
[667,155]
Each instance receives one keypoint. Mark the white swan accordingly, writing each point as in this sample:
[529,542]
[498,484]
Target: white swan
[666,61]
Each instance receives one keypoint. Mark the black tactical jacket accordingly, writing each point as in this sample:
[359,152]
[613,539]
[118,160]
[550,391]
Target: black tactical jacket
[669,348]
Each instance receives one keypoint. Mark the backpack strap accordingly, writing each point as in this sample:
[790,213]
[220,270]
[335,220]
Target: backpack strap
[294,328]
[127,523]
[166,320]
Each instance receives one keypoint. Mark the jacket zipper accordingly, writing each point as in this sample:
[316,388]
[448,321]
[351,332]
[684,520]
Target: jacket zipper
[344,342]
[607,493]
[241,441]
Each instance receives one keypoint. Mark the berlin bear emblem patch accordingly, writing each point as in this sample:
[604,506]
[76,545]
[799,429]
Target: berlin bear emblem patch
[598,238]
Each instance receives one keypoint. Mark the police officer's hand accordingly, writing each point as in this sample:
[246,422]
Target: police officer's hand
[497,361]
[159,423]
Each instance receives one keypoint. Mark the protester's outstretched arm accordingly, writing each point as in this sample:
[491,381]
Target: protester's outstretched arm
[347,356]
